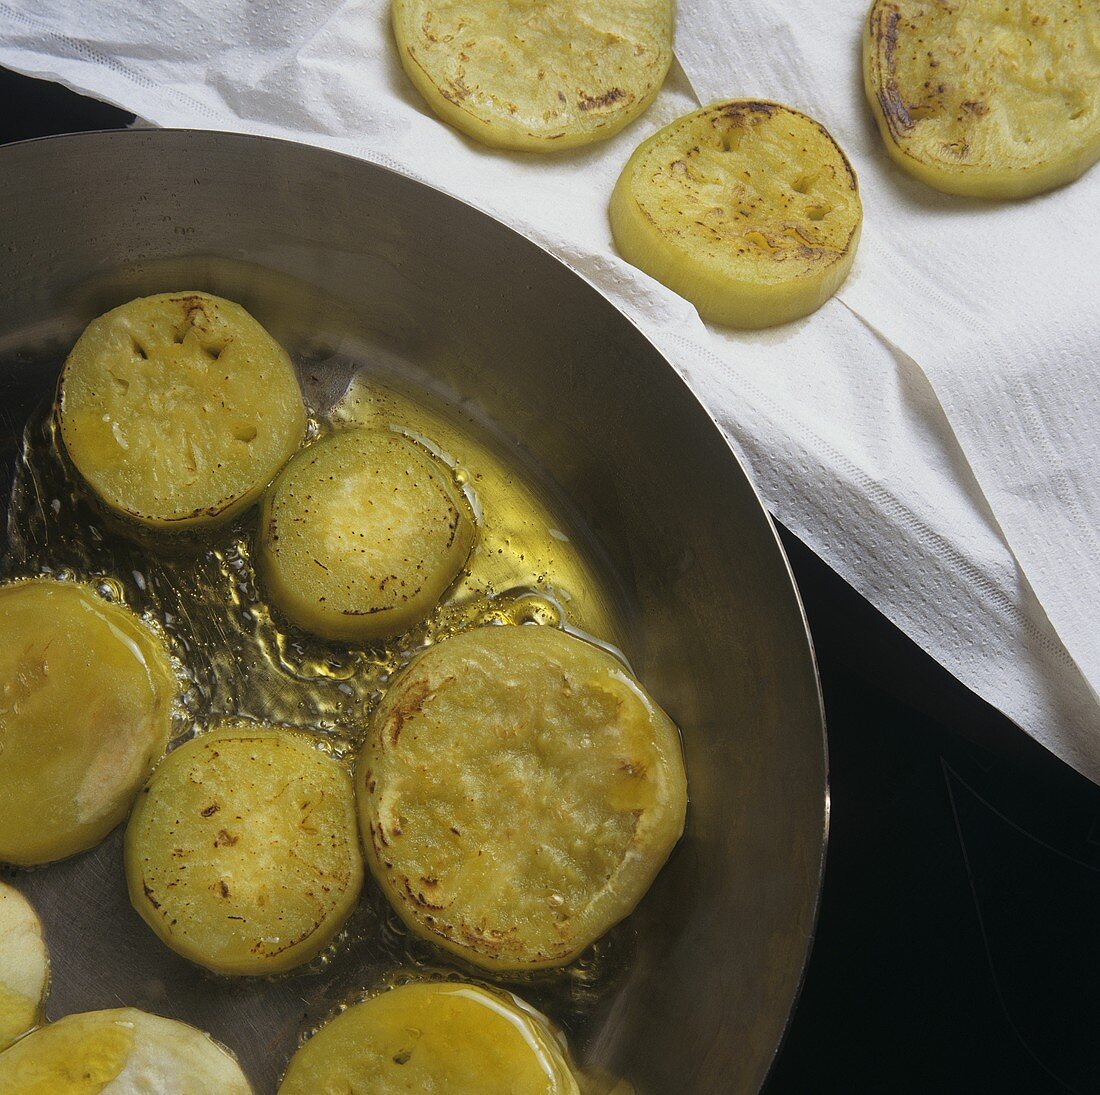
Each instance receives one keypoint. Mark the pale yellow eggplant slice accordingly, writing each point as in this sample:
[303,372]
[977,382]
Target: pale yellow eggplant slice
[24,966]
[433,1037]
[518,793]
[361,535]
[242,853]
[178,409]
[988,98]
[120,1052]
[535,76]
[746,208]
[86,691]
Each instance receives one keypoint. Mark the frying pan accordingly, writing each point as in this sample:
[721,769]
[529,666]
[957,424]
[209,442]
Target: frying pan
[331,252]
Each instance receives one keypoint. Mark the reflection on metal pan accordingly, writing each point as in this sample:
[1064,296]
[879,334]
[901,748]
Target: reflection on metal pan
[346,262]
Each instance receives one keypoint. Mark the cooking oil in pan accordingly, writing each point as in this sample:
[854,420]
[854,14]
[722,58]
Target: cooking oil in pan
[235,656]
[240,657]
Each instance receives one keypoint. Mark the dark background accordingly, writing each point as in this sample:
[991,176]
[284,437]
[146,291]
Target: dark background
[958,947]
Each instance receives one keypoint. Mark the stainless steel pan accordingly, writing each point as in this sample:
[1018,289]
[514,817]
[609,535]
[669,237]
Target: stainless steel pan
[329,251]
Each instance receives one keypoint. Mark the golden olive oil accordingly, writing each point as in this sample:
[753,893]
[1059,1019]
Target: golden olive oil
[527,566]
[532,563]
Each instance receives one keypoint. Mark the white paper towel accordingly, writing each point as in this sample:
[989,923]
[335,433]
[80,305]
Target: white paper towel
[931,432]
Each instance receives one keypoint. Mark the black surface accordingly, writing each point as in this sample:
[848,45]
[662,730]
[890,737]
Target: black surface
[38,108]
[957,949]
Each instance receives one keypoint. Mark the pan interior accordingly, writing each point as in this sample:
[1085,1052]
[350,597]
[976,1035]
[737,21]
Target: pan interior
[350,265]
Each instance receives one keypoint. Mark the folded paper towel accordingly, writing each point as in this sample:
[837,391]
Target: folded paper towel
[931,432]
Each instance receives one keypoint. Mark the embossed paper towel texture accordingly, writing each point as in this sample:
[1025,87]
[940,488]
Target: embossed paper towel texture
[931,432]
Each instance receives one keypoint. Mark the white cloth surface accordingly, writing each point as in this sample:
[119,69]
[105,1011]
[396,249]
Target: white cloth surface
[933,432]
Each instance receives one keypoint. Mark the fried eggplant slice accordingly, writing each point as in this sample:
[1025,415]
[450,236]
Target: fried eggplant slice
[518,793]
[432,1036]
[986,98]
[86,693]
[748,209]
[120,1052]
[533,76]
[24,966]
[178,409]
[242,852]
[361,535]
